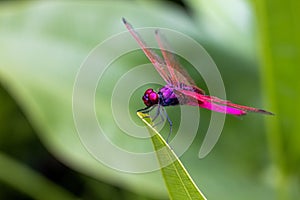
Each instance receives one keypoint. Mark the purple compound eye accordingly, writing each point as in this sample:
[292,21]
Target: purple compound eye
[150,97]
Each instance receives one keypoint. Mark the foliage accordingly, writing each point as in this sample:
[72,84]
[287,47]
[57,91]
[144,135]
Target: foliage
[43,45]
[178,181]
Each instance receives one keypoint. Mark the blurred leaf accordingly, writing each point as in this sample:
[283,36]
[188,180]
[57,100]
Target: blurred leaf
[29,182]
[179,183]
[42,47]
[228,24]
[279,32]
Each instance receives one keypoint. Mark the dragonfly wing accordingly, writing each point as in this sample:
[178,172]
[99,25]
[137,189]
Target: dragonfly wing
[229,103]
[169,69]
[219,105]
[177,73]
[155,59]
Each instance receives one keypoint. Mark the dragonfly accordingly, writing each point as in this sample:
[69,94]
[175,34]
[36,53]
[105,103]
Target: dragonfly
[180,89]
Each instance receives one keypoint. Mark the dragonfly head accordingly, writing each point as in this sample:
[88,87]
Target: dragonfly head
[150,97]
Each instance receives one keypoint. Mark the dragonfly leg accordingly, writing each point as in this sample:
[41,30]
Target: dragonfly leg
[157,113]
[171,125]
[163,119]
[161,116]
[147,109]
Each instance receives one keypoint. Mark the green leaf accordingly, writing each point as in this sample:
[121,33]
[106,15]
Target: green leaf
[28,181]
[179,183]
[226,23]
[278,31]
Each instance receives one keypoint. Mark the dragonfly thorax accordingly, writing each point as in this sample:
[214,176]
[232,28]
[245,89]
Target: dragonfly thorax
[165,97]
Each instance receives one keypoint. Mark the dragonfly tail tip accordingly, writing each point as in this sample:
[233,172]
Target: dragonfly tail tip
[124,20]
[265,112]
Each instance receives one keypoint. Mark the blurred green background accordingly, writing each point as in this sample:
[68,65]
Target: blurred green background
[255,45]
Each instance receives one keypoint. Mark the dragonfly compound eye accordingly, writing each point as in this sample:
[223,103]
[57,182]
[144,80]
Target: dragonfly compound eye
[150,97]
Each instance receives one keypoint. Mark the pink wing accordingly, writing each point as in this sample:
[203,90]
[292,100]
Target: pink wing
[155,59]
[169,68]
[178,74]
[219,105]
[180,79]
